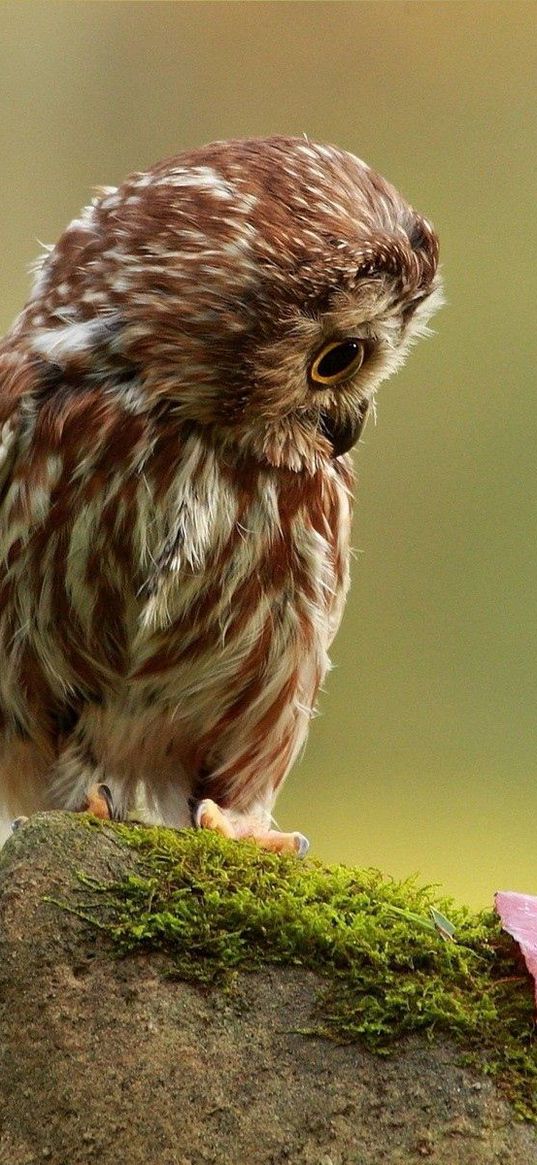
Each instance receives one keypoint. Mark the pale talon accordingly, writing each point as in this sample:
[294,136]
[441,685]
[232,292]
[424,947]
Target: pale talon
[302,845]
[17,823]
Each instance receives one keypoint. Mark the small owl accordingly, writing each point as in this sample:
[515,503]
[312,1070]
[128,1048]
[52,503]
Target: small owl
[177,404]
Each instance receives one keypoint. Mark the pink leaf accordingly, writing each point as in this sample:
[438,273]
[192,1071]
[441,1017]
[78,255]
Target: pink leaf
[518,914]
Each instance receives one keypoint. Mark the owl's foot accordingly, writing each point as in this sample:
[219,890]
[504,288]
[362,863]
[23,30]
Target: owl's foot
[207,814]
[99,802]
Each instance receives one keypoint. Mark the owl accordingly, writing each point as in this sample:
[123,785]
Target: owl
[178,402]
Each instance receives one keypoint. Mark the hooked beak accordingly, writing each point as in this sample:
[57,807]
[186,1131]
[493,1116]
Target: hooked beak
[345,433]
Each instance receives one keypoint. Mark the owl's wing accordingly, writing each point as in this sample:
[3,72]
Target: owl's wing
[67,561]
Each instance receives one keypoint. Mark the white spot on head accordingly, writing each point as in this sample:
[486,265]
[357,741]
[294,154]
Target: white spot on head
[202,177]
[142,181]
[85,221]
[111,201]
[120,284]
[58,343]
[247,202]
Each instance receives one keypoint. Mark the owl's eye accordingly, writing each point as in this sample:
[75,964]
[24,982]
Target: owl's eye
[337,361]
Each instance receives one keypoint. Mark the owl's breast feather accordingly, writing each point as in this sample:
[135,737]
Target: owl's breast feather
[233,652]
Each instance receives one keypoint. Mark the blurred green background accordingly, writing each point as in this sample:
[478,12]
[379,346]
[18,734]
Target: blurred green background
[423,758]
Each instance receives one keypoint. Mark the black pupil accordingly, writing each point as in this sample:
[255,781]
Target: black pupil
[338,358]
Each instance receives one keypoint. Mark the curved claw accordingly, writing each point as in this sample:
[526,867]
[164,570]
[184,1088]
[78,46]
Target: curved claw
[99,801]
[302,845]
[106,794]
[17,823]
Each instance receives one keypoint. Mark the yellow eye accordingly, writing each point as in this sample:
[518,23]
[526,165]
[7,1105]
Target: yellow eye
[337,361]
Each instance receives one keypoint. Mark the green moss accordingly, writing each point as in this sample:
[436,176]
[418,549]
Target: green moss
[216,906]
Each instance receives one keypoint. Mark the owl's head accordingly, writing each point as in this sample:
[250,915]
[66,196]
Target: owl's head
[262,288]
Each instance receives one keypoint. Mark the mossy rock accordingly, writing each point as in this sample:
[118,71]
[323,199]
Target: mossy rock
[173,998]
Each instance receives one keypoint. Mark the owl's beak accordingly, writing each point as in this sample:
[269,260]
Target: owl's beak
[345,432]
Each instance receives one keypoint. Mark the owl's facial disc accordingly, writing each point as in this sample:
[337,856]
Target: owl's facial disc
[343,433]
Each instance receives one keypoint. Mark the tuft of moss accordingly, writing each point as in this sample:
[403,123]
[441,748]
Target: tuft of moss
[216,907]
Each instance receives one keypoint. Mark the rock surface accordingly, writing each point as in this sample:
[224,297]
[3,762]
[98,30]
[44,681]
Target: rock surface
[107,1060]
